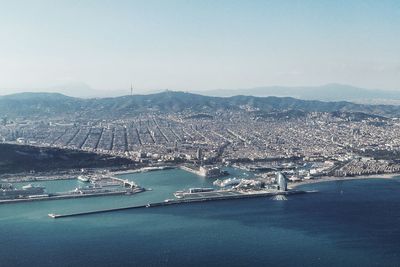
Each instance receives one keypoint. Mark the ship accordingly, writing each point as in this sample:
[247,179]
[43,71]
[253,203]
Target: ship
[107,183]
[99,188]
[84,179]
[90,189]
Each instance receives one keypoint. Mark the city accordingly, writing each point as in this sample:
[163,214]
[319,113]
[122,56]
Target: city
[334,144]
[199,133]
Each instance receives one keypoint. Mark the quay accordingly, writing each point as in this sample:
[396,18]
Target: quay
[197,198]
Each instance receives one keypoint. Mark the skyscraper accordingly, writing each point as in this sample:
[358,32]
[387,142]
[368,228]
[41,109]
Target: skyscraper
[282,181]
[199,155]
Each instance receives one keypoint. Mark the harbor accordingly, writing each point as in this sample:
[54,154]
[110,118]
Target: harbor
[103,185]
[177,199]
[257,220]
[231,188]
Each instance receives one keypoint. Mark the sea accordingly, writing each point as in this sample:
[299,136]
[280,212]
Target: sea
[347,223]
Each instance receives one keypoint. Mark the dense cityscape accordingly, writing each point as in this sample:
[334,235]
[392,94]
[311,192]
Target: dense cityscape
[337,145]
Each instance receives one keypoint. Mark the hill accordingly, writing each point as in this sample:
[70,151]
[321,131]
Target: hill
[51,159]
[57,105]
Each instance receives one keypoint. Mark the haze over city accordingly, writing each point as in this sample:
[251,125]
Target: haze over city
[79,46]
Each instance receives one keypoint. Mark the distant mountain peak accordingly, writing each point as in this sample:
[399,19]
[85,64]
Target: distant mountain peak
[33,95]
[326,92]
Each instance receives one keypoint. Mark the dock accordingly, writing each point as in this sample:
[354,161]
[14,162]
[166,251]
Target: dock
[168,202]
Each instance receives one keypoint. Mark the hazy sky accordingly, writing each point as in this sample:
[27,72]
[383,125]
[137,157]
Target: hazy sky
[195,45]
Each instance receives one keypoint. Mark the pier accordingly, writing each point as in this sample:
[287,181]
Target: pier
[58,196]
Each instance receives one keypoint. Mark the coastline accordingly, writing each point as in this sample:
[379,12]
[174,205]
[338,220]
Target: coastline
[348,178]
[52,176]
[63,175]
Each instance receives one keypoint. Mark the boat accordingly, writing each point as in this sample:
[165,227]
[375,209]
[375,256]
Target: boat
[84,179]
[308,177]
[179,194]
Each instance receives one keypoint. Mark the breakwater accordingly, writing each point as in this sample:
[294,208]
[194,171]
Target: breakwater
[168,202]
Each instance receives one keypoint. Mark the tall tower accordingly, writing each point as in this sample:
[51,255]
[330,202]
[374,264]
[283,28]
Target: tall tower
[282,181]
[131,89]
[199,155]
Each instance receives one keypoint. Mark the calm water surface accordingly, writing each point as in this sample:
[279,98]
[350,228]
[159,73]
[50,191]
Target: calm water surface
[352,223]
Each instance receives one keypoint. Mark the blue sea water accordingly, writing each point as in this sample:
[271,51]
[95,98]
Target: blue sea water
[348,223]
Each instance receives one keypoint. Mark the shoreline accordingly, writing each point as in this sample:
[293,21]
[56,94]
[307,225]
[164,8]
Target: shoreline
[348,178]
[20,178]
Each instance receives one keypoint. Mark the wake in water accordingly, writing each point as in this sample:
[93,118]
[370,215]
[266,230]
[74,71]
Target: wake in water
[279,197]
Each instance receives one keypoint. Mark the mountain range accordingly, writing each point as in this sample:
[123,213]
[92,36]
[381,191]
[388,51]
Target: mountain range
[58,105]
[328,92]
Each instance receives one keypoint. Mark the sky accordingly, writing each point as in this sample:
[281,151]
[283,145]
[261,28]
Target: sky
[197,45]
